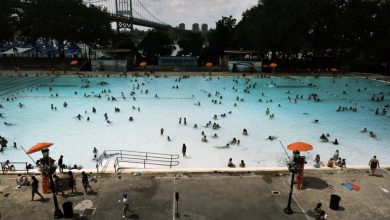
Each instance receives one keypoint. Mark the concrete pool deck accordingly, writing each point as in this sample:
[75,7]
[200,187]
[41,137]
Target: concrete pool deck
[230,195]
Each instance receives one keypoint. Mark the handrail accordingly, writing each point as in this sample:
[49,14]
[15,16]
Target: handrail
[142,152]
[139,157]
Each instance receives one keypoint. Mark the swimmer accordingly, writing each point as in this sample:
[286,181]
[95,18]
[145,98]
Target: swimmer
[271,138]
[65,104]
[244,131]
[204,139]
[316,121]
[78,116]
[234,141]
[215,135]
[238,142]
[87,118]
[93,110]
[179,120]
[364,130]
[335,142]
[168,138]
[131,118]
[372,134]
[6,123]
[323,138]
[161,131]
[109,122]
[185,121]
[195,126]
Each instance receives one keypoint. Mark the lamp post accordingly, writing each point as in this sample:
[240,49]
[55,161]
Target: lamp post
[47,162]
[292,167]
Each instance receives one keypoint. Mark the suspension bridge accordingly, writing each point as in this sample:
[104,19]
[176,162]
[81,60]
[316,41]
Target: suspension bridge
[127,13]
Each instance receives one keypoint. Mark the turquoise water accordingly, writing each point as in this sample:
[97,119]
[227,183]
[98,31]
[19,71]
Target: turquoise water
[75,139]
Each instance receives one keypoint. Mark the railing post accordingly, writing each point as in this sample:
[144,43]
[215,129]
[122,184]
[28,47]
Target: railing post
[144,164]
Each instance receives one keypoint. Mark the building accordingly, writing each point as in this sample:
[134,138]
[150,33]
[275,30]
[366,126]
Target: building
[205,28]
[182,26]
[242,61]
[178,62]
[195,27]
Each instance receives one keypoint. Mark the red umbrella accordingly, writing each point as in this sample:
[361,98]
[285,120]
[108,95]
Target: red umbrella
[38,147]
[300,146]
[143,64]
[209,64]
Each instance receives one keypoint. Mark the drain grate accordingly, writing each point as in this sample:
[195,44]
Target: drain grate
[88,212]
[276,193]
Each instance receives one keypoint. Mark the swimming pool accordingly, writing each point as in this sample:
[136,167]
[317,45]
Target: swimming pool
[293,121]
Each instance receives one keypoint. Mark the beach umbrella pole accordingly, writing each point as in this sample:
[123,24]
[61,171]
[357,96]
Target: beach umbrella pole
[285,150]
[29,155]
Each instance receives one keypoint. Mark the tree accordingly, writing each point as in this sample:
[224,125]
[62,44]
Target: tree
[191,44]
[221,37]
[8,19]
[156,44]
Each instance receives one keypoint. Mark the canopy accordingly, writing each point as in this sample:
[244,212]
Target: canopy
[300,146]
[9,52]
[38,147]
[209,64]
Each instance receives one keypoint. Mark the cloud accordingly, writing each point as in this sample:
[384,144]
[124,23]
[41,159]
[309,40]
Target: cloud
[174,12]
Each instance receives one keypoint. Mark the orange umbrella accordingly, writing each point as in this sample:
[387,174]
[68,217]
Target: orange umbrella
[300,146]
[333,70]
[209,64]
[74,62]
[273,65]
[39,147]
[143,64]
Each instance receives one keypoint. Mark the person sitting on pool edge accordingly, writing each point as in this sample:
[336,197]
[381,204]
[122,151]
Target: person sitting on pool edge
[331,163]
[242,164]
[231,164]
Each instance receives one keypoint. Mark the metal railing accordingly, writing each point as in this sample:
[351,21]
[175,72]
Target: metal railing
[123,157]
[16,167]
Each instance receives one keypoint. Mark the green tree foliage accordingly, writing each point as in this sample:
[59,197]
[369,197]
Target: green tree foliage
[192,44]
[156,44]
[345,32]
[221,37]
[8,19]
[60,20]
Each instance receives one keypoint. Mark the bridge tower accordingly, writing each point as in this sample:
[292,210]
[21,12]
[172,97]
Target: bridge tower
[124,8]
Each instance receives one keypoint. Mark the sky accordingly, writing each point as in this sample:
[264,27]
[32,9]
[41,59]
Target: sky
[174,12]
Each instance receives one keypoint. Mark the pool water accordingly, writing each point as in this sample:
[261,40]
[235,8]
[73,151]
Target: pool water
[293,121]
